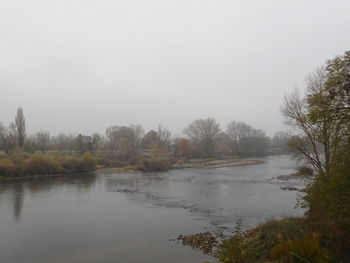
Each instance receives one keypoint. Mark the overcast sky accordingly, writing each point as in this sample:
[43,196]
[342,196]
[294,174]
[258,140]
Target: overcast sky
[82,65]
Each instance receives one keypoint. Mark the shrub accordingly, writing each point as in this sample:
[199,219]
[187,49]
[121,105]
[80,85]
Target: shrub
[70,163]
[234,249]
[3,155]
[40,164]
[19,163]
[104,161]
[263,238]
[7,168]
[19,153]
[305,249]
[154,164]
[88,161]
[328,200]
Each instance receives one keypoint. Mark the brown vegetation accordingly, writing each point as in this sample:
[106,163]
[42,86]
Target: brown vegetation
[19,163]
[153,164]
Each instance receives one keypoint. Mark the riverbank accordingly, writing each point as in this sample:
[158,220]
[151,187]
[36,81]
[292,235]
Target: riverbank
[19,164]
[190,164]
[285,240]
[40,165]
[214,163]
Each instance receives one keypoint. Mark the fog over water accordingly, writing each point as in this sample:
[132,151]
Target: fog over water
[80,66]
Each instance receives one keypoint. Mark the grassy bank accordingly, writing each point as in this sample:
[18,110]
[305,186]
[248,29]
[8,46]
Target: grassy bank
[287,240]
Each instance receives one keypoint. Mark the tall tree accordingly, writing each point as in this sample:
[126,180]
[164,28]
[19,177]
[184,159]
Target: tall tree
[164,136]
[338,86]
[42,140]
[123,137]
[12,135]
[246,140]
[322,119]
[20,123]
[204,134]
[3,137]
[150,140]
[182,147]
[314,116]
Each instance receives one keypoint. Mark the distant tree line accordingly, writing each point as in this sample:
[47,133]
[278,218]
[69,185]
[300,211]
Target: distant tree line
[203,138]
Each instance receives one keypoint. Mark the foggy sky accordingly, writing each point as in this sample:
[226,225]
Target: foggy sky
[81,65]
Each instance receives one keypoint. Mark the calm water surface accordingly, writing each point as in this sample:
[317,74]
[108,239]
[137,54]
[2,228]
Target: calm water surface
[106,217]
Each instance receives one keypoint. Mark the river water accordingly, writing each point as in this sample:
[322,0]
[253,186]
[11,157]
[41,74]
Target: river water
[106,217]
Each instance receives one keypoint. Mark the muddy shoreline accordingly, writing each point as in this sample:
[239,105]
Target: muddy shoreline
[218,163]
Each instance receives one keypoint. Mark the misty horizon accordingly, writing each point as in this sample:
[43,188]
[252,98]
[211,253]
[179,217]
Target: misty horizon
[79,67]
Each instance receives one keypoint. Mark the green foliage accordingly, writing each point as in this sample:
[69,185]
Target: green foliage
[3,155]
[234,249]
[303,250]
[262,238]
[324,117]
[328,200]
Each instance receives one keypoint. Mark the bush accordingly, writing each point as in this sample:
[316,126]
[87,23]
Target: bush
[19,153]
[3,155]
[104,161]
[263,238]
[20,163]
[88,161]
[306,249]
[154,164]
[39,164]
[7,168]
[328,200]
[70,163]
[234,249]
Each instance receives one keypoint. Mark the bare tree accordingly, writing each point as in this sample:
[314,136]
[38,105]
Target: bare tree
[280,139]
[42,140]
[20,123]
[64,142]
[164,136]
[150,140]
[246,140]
[204,134]
[312,115]
[12,135]
[125,140]
[8,137]
[3,137]
[139,132]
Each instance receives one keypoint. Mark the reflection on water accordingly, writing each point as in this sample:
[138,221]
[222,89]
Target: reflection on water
[107,217]
[15,191]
